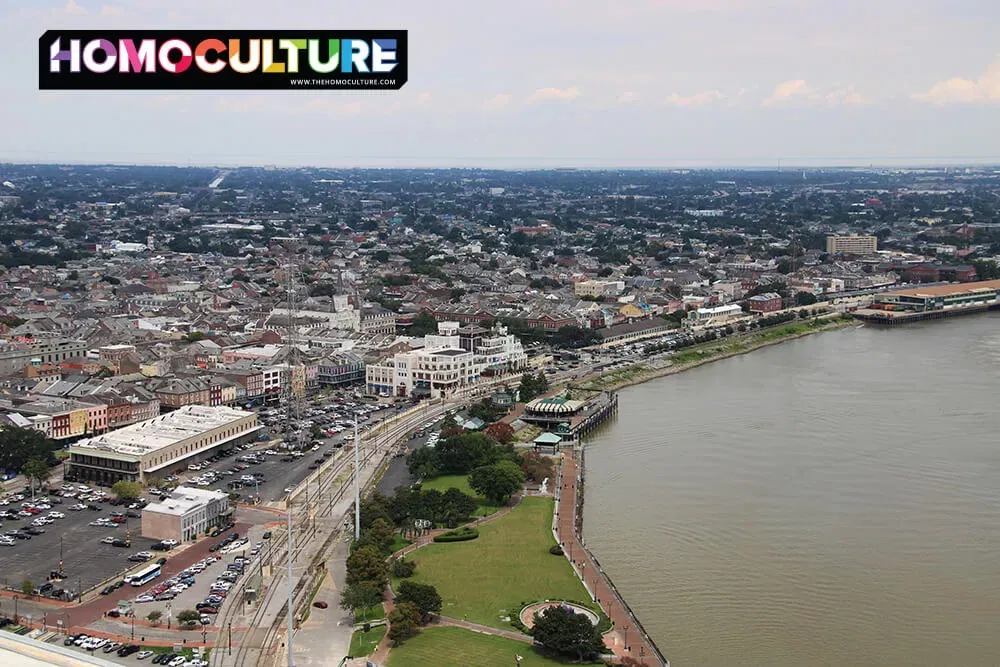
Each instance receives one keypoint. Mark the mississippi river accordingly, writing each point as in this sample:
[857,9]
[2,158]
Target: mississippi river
[832,500]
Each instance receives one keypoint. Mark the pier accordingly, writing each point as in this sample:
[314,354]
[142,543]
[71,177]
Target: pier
[932,302]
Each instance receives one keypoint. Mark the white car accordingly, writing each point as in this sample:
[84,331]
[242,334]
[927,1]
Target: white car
[169,543]
[57,515]
[177,662]
[108,540]
[145,598]
[142,655]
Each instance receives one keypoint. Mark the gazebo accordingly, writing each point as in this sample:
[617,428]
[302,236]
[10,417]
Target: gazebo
[550,440]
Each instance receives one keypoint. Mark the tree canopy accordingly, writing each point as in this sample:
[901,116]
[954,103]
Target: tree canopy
[498,482]
[571,634]
[19,445]
[126,490]
[424,596]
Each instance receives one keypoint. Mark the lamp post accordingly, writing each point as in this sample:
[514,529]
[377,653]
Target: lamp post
[625,630]
[230,637]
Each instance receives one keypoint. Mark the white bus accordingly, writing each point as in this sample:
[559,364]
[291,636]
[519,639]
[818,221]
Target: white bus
[144,576]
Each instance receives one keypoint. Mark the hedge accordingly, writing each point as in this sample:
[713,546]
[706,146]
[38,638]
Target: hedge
[460,535]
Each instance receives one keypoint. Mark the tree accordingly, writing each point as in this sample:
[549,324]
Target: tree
[126,490]
[563,631]
[424,596]
[497,482]
[537,467]
[404,622]
[423,324]
[154,616]
[805,298]
[605,272]
[360,596]
[19,445]
[36,470]
[27,587]
[379,536]
[456,507]
[366,564]
[502,432]
[188,615]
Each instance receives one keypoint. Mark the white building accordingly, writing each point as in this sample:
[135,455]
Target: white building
[162,444]
[185,514]
[716,316]
[454,357]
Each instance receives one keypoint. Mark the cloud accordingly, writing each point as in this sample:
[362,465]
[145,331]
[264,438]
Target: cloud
[422,98]
[497,102]
[696,100]
[73,8]
[798,92]
[108,10]
[964,91]
[790,91]
[555,94]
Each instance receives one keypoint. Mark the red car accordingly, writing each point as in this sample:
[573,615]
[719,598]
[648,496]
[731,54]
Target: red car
[319,604]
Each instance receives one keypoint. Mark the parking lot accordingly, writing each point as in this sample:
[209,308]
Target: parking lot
[86,561]
[280,469]
[199,590]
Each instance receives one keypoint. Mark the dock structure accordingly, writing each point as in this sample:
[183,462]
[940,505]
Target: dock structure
[931,303]
[571,413]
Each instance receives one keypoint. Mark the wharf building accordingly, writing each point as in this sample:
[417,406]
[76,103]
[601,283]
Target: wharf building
[160,445]
[185,514]
[454,358]
[931,302]
[566,416]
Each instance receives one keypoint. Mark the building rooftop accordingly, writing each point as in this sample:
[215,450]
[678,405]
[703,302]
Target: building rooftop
[950,290]
[449,353]
[183,499]
[153,434]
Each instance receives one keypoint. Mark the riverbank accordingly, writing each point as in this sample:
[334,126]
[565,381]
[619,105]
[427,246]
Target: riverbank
[706,353]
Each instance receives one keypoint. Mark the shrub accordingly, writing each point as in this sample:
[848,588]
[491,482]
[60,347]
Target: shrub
[460,535]
[518,625]
[402,569]
[556,550]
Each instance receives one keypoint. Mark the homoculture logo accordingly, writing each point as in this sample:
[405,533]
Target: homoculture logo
[222,60]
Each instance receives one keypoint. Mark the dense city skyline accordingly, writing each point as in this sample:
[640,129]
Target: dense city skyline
[643,84]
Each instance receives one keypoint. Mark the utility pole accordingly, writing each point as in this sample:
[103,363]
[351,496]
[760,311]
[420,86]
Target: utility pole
[357,486]
[291,585]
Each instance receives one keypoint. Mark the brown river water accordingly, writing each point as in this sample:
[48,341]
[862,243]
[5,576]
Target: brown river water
[832,500]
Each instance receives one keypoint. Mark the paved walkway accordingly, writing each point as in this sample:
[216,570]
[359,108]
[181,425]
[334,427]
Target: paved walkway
[623,638]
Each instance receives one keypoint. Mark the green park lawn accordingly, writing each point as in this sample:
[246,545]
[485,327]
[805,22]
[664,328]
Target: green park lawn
[509,565]
[453,647]
[364,643]
[460,482]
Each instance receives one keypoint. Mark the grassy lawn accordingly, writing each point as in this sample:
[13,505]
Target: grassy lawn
[509,565]
[375,613]
[445,482]
[398,542]
[460,482]
[453,647]
[364,643]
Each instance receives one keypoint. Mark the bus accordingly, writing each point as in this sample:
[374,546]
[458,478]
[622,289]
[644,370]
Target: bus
[144,576]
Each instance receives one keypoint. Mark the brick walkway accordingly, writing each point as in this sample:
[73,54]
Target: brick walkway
[623,638]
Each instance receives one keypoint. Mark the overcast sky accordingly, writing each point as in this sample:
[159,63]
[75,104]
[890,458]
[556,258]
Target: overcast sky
[537,83]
